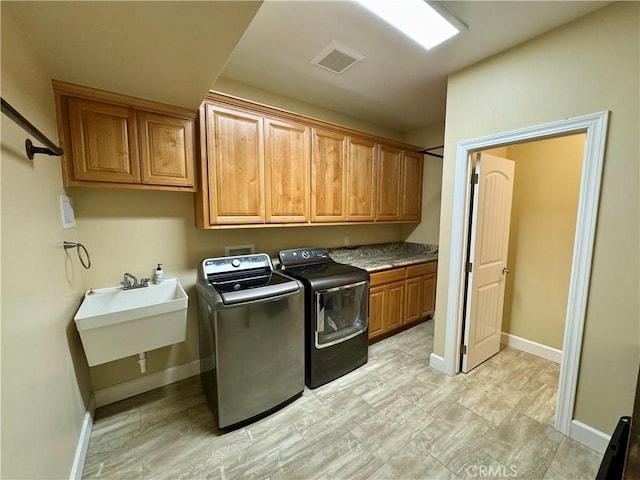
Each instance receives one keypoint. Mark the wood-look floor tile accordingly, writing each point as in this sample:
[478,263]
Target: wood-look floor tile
[336,457]
[573,461]
[263,459]
[127,449]
[112,426]
[523,442]
[392,418]
[303,406]
[316,429]
[188,394]
[195,455]
[453,437]
[387,391]
[409,464]
[493,402]
[550,375]
[438,400]
[391,428]
[540,404]
[127,470]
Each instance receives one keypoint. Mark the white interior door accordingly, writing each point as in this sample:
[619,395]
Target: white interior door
[491,218]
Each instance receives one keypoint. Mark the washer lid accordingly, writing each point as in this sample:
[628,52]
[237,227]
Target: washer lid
[249,289]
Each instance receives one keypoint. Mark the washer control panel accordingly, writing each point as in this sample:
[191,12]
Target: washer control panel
[221,265]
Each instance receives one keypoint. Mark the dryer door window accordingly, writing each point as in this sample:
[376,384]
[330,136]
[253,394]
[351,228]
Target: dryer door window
[341,313]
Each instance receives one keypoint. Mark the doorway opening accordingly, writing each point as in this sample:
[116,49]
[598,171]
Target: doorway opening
[594,127]
[530,263]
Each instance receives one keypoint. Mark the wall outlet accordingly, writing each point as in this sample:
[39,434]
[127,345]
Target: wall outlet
[347,240]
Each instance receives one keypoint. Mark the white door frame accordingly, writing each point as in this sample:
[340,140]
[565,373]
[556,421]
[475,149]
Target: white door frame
[595,127]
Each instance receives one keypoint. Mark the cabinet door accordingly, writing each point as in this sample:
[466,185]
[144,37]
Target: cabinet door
[328,179]
[287,160]
[412,164]
[389,176]
[413,303]
[104,142]
[235,164]
[361,180]
[394,314]
[428,294]
[377,307]
[167,150]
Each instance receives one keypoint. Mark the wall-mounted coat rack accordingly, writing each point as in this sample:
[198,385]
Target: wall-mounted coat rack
[51,149]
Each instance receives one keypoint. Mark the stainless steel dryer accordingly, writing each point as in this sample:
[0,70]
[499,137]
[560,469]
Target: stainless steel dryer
[251,326]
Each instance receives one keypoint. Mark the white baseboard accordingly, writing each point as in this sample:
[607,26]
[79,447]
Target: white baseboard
[144,384]
[83,442]
[537,349]
[589,436]
[437,362]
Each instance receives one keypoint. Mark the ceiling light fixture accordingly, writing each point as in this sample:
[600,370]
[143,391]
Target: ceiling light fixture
[415,18]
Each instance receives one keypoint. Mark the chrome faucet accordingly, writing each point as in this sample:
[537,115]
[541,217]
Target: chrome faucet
[130,281]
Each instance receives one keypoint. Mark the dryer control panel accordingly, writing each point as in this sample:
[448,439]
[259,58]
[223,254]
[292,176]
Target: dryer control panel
[301,256]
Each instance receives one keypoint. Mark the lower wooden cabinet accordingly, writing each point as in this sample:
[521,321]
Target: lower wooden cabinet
[401,297]
[422,281]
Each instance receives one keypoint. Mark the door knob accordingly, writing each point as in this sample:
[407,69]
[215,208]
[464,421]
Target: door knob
[505,270]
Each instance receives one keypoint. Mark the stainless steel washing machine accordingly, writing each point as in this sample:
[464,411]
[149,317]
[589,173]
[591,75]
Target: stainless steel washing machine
[251,327]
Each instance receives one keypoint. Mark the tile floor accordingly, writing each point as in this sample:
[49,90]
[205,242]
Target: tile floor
[393,418]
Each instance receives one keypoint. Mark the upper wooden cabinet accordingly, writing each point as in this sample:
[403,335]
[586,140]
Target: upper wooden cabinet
[264,166]
[112,140]
[399,184]
[167,150]
[287,171]
[235,161]
[411,191]
[104,142]
[361,180]
[328,176]
[389,177]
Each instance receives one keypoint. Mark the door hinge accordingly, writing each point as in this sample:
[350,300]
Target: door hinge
[463,349]
[474,179]
[469,267]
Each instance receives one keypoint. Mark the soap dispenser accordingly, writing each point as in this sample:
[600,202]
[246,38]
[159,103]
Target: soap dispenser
[158,275]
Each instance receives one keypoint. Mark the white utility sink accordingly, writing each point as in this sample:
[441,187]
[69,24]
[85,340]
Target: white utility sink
[114,323]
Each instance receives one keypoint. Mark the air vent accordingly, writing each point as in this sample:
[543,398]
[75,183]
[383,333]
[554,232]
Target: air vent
[337,58]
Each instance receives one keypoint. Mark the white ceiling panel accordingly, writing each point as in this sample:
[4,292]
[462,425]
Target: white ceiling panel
[398,85]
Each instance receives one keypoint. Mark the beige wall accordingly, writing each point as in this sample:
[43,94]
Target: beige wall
[589,65]
[43,405]
[543,220]
[428,230]
[241,90]
[132,231]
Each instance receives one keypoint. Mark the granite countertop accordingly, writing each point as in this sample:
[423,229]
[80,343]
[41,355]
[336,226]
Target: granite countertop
[384,256]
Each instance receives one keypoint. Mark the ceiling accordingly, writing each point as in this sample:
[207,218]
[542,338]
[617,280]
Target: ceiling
[167,51]
[173,52]
[398,85]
